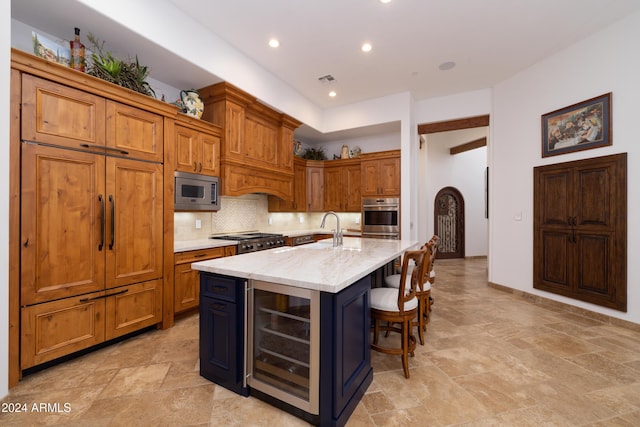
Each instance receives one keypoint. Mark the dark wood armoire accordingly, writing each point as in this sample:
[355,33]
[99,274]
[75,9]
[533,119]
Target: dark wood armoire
[580,230]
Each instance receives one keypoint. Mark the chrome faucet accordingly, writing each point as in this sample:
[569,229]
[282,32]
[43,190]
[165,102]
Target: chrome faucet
[337,234]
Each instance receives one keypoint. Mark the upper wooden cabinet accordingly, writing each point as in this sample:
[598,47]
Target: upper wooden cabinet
[342,185]
[60,115]
[381,173]
[134,133]
[197,146]
[308,189]
[299,201]
[315,186]
[257,148]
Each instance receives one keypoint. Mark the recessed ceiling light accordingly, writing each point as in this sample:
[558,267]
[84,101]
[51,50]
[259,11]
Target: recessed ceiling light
[366,47]
[385,1]
[447,65]
[274,43]
[332,93]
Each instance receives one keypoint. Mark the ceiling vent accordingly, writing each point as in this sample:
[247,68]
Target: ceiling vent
[326,79]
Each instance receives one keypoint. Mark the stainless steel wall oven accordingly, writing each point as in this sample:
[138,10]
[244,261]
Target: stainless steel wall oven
[381,218]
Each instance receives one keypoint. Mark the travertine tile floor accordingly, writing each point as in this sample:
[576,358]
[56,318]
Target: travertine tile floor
[491,359]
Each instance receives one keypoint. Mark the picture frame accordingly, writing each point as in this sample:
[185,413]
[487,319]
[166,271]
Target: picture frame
[50,50]
[581,126]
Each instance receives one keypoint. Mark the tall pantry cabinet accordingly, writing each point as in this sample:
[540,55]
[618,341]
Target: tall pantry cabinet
[91,216]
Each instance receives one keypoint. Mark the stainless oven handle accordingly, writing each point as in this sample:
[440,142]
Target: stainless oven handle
[381,234]
[380,207]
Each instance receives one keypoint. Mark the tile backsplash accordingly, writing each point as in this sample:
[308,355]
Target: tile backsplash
[250,212]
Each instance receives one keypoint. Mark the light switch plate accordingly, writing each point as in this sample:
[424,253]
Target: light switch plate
[198,224]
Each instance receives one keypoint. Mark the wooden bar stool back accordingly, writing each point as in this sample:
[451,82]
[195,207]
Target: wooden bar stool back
[423,291]
[396,308]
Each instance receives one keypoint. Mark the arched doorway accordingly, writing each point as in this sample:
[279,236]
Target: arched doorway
[449,223]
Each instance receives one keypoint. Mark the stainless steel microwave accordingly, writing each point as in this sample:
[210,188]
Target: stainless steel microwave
[196,192]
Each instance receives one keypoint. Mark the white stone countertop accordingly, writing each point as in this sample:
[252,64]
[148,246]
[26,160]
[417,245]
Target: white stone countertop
[316,266]
[194,245]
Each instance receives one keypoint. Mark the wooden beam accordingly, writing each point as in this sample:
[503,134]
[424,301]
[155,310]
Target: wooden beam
[469,122]
[477,143]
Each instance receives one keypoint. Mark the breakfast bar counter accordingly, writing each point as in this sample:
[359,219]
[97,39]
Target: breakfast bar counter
[317,266]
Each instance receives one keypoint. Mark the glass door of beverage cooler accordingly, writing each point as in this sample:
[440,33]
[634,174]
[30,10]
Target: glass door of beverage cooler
[283,343]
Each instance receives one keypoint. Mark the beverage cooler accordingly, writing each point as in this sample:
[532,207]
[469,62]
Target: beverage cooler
[283,345]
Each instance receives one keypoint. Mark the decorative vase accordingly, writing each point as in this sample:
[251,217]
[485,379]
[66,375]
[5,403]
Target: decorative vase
[345,152]
[192,105]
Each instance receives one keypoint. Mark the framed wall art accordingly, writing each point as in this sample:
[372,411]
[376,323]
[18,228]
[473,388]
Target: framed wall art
[580,126]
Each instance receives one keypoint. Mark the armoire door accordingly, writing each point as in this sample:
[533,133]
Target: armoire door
[580,213]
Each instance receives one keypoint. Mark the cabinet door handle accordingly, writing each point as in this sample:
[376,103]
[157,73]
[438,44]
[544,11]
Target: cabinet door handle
[104,296]
[200,170]
[200,255]
[102,147]
[195,166]
[113,221]
[101,200]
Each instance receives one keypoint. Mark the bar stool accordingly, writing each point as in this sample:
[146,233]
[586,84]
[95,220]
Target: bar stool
[398,307]
[423,292]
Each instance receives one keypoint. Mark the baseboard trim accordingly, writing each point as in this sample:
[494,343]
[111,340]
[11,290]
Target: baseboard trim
[537,299]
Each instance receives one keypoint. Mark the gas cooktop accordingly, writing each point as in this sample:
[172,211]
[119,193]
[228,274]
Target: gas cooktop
[254,241]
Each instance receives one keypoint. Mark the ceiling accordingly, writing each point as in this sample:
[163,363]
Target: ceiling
[489,40]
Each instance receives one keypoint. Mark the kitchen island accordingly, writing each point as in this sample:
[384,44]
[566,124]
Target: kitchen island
[290,325]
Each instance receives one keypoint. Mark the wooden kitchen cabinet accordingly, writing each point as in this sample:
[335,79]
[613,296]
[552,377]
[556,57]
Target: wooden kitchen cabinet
[60,327]
[134,132]
[342,185]
[257,150]
[54,329]
[60,115]
[299,202]
[187,281]
[197,147]
[308,189]
[88,223]
[315,186]
[133,307]
[56,114]
[381,174]
[91,212]
[62,226]
[134,223]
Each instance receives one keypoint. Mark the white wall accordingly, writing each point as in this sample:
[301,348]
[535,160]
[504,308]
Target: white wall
[605,62]
[5,66]
[464,171]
